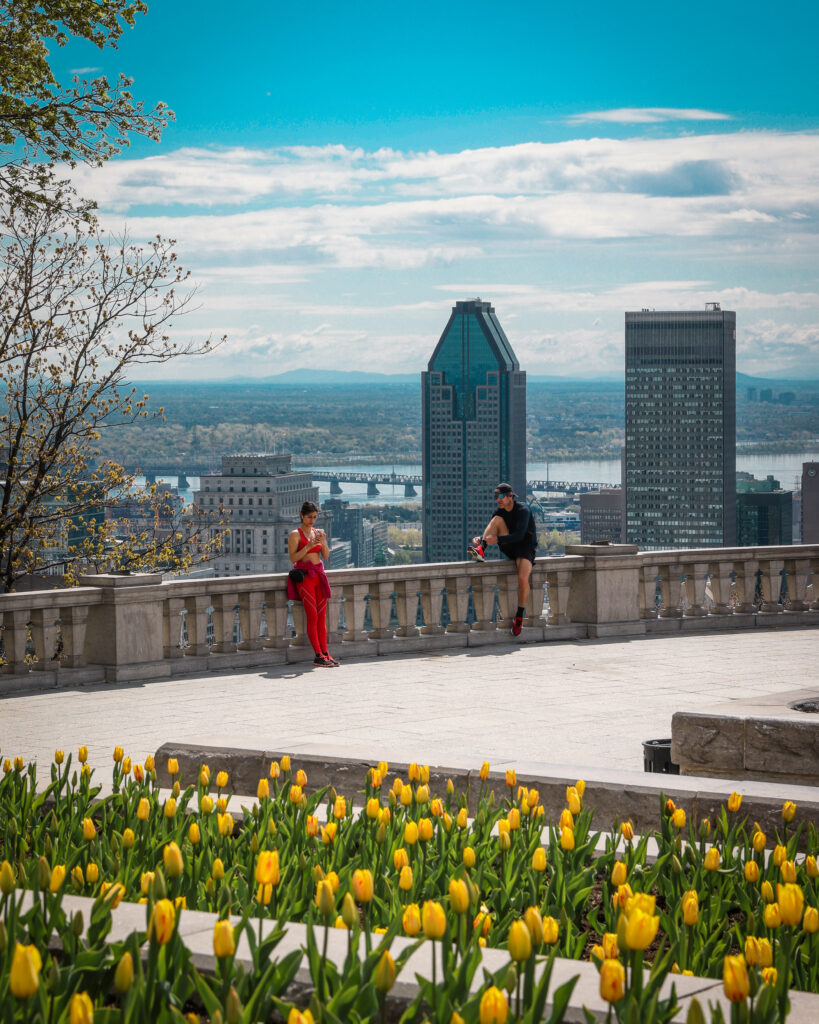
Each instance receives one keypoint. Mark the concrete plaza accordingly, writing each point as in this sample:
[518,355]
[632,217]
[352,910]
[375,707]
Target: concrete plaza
[574,704]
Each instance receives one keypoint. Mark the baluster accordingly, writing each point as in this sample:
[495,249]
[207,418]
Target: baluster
[483,598]
[507,597]
[334,631]
[45,628]
[250,619]
[15,637]
[432,601]
[172,627]
[276,615]
[814,583]
[648,592]
[696,576]
[73,623]
[746,584]
[559,581]
[670,588]
[224,617]
[537,596]
[771,585]
[457,591]
[380,609]
[797,570]
[406,605]
[721,580]
[354,609]
[196,623]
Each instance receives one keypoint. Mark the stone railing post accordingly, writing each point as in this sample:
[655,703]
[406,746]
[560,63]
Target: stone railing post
[814,582]
[380,608]
[746,571]
[559,583]
[334,633]
[125,629]
[224,619]
[15,637]
[797,570]
[406,605]
[696,577]
[196,623]
[354,609]
[721,582]
[670,590]
[605,589]
[507,598]
[648,591]
[457,590]
[276,616]
[250,620]
[172,627]
[483,598]
[432,601]
[537,596]
[771,585]
[45,627]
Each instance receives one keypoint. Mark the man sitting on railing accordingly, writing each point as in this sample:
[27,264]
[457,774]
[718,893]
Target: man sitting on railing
[513,529]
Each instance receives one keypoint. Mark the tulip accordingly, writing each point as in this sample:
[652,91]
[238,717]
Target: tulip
[26,965]
[627,831]
[405,879]
[57,878]
[734,802]
[619,873]
[566,818]
[300,1017]
[551,930]
[264,894]
[461,820]
[262,789]
[691,907]
[267,868]
[118,754]
[411,833]
[598,953]
[772,915]
[611,947]
[450,787]
[766,891]
[433,919]
[810,922]
[504,841]
[513,817]
[88,829]
[751,871]
[811,867]
[711,862]
[124,974]
[221,779]
[735,978]
[139,774]
[325,897]
[363,885]
[787,870]
[678,818]
[458,895]
[339,808]
[143,809]
[534,922]
[670,806]
[765,953]
[169,810]
[194,834]
[400,858]
[612,980]
[225,823]
[494,1007]
[437,808]
[92,874]
[566,839]
[468,857]
[484,772]
[77,876]
[7,880]
[311,825]
[779,854]
[81,1009]
[482,922]
[422,794]
[411,920]
[218,870]
[759,840]
[385,972]
[373,808]
[769,975]
[520,942]
[425,829]
[788,811]
[791,903]
[752,954]
[539,859]
[328,832]
[149,763]
[640,929]
[224,942]
[510,778]
[59,756]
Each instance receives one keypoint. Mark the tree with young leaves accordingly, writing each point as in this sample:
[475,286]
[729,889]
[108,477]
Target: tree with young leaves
[80,311]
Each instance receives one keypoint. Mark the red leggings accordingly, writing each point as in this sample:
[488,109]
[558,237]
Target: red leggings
[315,612]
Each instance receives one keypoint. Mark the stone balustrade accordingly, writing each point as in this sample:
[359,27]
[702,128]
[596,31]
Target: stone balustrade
[138,627]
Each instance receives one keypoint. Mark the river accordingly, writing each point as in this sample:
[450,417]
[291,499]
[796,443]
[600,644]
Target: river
[786,467]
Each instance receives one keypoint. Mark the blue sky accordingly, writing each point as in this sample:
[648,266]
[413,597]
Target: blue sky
[339,174]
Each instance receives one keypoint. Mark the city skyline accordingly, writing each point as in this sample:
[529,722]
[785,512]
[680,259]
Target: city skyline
[328,192]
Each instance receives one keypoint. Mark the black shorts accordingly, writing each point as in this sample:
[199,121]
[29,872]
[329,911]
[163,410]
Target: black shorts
[515,551]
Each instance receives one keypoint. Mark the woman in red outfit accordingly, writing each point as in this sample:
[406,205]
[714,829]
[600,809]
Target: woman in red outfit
[307,546]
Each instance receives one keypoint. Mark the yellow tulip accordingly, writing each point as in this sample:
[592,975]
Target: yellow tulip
[225,823]
[411,833]
[363,885]
[751,871]
[285,762]
[218,870]
[221,779]
[339,808]
[810,922]
[520,942]
[433,919]
[612,980]
[328,832]
[735,978]
[640,929]
[513,817]
[163,920]
[81,1009]
[482,922]
[458,895]
[92,874]
[772,915]
[678,818]
[779,854]
[300,1016]
[264,894]
[769,975]
[484,772]
[88,829]
[811,867]
[57,878]
[759,840]
[384,976]
[325,898]
[690,907]
[267,868]
[82,754]
[26,965]
[619,873]
[567,839]
[611,947]
[539,859]
[788,811]
[734,801]
[494,1007]
[511,778]
[405,795]
[627,831]
[194,834]
[169,810]
[118,754]
[373,807]
[173,766]
[7,880]
[712,859]
[262,789]
[468,857]
[534,922]
[504,841]
[149,763]
[224,942]
[59,756]
[405,879]
[791,903]
[787,870]
[551,930]
[566,818]
[275,770]
[765,953]
[425,829]
[124,974]
[411,920]
[461,820]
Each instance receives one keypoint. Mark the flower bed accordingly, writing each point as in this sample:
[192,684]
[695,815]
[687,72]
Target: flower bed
[409,862]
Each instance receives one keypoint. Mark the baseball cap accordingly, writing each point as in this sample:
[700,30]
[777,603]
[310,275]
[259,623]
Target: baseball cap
[504,489]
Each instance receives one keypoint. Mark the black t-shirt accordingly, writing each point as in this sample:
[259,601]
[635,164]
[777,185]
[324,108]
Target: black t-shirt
[521,525]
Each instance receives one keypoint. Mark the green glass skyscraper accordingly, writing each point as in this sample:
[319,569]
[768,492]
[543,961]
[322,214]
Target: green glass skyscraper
[473,410]
[680,454]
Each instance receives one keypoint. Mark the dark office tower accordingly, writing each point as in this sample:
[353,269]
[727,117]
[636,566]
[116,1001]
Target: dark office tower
[473,416]
[680,464]
[810,504]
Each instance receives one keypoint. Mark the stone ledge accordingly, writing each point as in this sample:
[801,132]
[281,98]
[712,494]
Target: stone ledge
[626,795]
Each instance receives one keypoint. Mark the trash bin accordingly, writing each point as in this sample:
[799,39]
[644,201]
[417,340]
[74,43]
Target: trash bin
[657,757]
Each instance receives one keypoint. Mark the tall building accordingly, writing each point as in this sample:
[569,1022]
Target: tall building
[764,518]
[473,416]
[601,516]
[810,502]
[258,497]
[680,461]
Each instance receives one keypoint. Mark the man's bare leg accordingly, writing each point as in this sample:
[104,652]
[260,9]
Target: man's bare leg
[524,576]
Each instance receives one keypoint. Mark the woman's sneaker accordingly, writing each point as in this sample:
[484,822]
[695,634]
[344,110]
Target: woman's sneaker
[321,662]
[476,551]
[332,661]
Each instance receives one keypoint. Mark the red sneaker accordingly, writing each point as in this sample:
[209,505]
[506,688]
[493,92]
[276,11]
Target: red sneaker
[476,551]
[517,625]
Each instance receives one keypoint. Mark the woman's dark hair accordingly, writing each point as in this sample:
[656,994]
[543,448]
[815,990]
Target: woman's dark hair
[307,508]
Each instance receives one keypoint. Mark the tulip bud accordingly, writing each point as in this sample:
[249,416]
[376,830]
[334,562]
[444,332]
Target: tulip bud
[735,979]
[349,913]
[520,942]
[43,873]
[124,974]
[7,881]
[385,972]
[233,1007]
[160,885]
[511,979]
[788,811]
[551,930]
[751,871]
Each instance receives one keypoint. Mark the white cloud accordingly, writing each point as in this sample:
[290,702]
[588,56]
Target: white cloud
[646,115]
